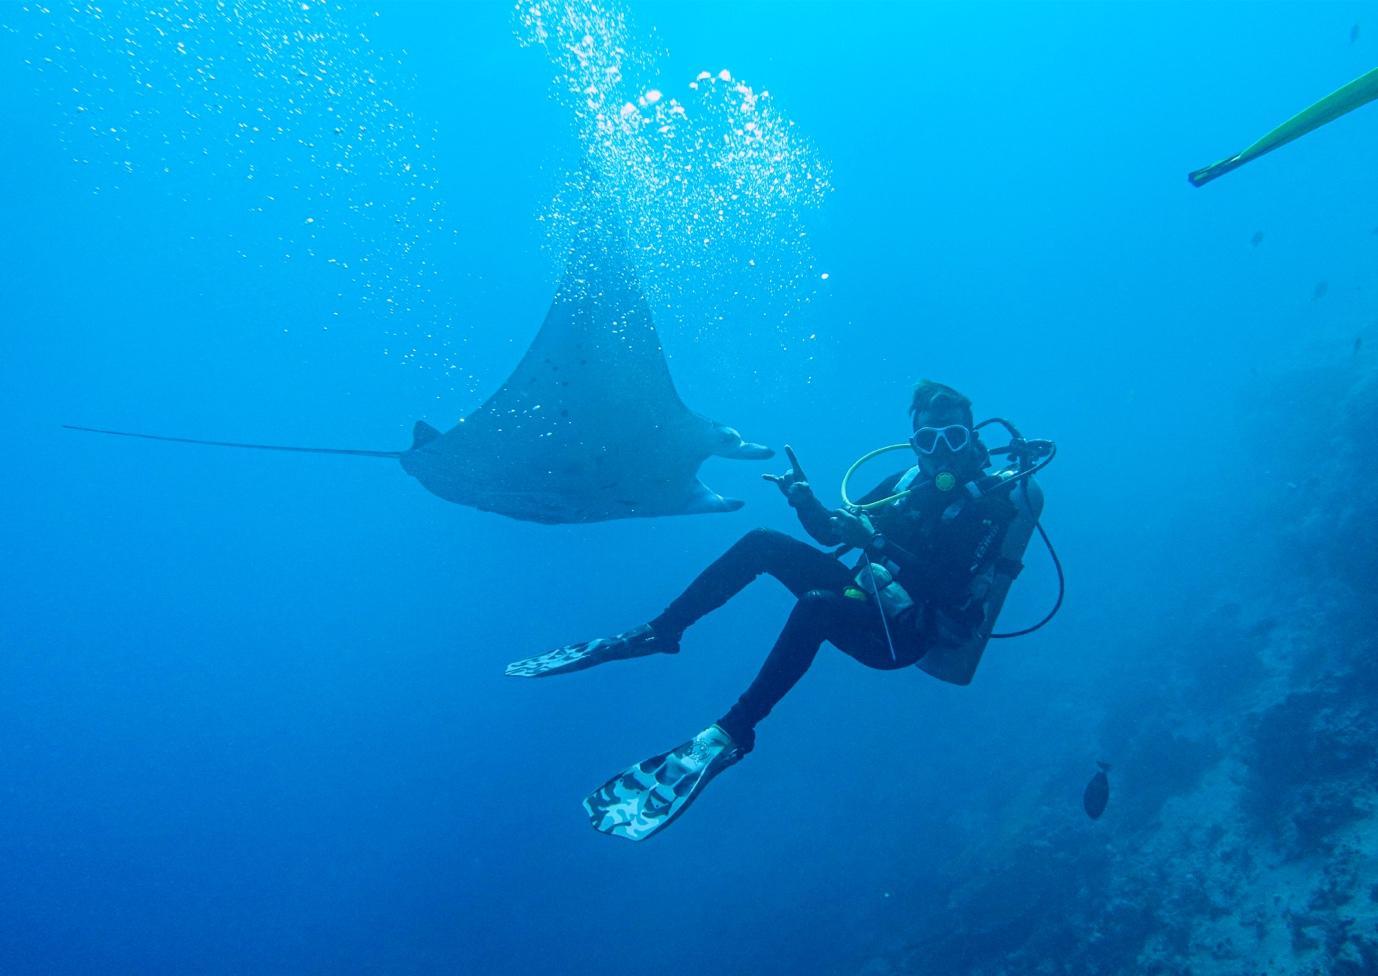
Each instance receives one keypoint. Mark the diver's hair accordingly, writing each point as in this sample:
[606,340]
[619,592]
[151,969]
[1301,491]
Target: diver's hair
[930,397]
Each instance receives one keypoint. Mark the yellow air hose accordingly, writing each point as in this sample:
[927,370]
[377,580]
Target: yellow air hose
[846,479]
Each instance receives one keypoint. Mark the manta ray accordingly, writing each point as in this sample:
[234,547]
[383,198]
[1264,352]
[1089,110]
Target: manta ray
[589,426]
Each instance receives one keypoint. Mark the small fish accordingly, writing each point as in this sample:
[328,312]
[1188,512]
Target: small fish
[1097,793]
[1354,33]
[1257,239]
[1321,288]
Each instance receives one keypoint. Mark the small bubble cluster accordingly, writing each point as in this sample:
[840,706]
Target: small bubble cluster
[285,107]
[713,184]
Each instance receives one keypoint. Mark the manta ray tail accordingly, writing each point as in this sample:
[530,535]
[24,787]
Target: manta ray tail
[255,447]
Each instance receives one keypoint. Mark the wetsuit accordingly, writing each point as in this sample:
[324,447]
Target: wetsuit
[935,542]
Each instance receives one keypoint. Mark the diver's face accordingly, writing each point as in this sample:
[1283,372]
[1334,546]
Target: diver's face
[943,441]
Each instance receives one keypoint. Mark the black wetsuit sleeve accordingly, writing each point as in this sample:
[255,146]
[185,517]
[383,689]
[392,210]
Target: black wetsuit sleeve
[816,519]
[891,550]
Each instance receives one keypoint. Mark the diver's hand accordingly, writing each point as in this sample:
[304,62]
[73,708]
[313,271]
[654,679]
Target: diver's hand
[793,484]
[854,530]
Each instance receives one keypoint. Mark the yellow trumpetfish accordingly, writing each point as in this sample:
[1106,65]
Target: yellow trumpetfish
[1360,91]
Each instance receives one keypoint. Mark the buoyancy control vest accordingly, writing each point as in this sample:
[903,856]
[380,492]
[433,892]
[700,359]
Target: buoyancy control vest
[955,639]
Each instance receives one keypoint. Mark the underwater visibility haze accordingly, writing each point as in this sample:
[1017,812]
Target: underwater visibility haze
[586,269]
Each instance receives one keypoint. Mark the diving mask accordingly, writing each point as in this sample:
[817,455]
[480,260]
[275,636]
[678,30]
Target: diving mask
[956,437]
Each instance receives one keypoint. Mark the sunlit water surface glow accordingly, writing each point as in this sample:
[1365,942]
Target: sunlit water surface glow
[291,109]
[712,181]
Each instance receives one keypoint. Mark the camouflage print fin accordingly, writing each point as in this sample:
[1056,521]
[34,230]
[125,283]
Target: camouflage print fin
[647,798]
[576,657]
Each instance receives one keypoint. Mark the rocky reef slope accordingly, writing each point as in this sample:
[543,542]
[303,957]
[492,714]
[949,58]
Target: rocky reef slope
[1242,837]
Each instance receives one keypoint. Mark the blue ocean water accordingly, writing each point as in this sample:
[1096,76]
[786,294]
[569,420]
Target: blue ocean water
[252,710]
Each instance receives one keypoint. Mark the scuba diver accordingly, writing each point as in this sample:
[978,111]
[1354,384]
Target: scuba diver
[939,544]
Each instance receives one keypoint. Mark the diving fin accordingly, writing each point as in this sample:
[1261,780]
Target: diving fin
[637,642]
[1360,91]
[646,798]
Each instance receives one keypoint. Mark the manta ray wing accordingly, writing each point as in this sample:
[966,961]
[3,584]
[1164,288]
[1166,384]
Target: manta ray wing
[589,425]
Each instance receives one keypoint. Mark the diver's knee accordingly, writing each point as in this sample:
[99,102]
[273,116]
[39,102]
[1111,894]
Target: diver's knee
[759,540]
[762,535]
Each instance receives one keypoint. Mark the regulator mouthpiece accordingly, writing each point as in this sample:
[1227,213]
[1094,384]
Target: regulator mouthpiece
[945,481]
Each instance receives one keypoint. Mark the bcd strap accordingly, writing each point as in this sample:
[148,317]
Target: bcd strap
[973,490]
[907,479]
